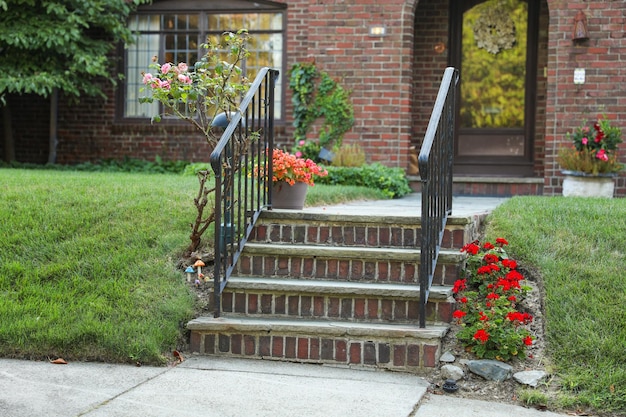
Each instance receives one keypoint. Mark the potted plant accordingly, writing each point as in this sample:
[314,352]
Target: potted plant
[590,163]
[292,177]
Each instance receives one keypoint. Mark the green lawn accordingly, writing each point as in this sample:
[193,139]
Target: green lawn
[579,248]
[87,262]
[87,272]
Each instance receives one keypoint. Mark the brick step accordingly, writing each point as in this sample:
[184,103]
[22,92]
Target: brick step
[354,230]
[398,347]
[334,300]
[343,263]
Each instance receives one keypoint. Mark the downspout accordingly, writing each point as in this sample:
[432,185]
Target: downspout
[54,113]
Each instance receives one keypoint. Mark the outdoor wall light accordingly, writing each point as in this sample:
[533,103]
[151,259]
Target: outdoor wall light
[580,32]
[378,30]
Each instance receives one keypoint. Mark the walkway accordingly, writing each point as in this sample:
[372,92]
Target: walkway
[226,387]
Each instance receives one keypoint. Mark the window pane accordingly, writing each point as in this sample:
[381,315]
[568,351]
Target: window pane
[176,38]
[494,65]
[139,56]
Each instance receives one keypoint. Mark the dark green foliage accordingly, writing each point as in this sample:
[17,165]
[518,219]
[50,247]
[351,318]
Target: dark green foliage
[391,181]
[47,44]
[317,96]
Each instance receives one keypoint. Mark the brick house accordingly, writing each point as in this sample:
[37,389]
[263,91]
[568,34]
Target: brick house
[391,54]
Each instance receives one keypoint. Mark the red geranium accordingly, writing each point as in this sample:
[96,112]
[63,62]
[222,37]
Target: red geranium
[481,335]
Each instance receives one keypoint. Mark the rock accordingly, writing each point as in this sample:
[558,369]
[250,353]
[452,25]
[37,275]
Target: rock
[490,369]
[464,362]
[447,357]
[531,378]
[452,372]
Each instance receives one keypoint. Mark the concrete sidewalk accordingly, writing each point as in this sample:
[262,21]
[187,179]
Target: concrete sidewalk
[222,387]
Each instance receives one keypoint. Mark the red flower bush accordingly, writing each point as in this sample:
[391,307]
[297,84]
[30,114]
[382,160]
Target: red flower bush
[488,296]
[594,148]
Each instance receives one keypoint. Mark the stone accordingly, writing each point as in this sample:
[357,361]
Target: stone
[531,378]
[464,362]
[452,372]
[447,357]
[490,369]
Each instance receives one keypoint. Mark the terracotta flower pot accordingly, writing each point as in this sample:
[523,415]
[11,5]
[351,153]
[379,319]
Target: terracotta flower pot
[285,196]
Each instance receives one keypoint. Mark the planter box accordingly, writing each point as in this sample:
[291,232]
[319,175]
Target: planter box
[578,184]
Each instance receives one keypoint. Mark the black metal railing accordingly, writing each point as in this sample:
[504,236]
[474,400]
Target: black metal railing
[435,166]
[242,163]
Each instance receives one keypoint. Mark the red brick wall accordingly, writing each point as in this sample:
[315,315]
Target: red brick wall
[376,69]
[431,28]
[394,80]
[604,59]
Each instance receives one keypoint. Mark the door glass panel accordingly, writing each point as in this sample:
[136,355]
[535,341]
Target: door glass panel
[494,66]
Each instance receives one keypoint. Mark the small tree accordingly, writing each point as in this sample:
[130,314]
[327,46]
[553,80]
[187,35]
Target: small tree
[197,94]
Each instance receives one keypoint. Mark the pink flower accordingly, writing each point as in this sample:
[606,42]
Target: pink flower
[602,155]
[182,67]
[301,143]
[147,77]
[164,84]
[585,141]
[298,154]
[165,68]
[185,79]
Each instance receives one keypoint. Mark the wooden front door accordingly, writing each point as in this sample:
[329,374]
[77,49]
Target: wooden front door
[494,45]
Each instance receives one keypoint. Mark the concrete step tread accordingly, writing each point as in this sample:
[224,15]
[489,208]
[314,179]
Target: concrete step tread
[311,216]
[289,249]
[316,327]
[310,286]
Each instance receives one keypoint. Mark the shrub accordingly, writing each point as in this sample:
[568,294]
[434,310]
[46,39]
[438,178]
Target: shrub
[391,181]
[349,156]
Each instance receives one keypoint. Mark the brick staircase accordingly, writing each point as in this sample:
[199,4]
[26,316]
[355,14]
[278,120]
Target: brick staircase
[338,289]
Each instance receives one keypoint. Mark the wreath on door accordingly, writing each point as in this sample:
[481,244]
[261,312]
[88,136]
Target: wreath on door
[494,30]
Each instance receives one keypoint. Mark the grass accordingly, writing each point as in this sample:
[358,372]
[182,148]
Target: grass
[579,247]
[88,262]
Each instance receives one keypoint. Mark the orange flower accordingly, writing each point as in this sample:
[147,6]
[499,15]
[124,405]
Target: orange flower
[291,169]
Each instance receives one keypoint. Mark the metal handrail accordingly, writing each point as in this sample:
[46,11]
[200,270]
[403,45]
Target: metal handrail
[242,165]
[435,165]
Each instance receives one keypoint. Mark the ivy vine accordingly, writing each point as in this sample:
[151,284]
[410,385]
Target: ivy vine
[316,95]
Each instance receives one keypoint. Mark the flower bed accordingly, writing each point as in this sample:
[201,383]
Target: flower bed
[488,297]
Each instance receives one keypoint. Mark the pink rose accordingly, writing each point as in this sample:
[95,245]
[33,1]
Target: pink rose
[164,84]
[299,154]
[165,68]
[147,78]
[185,79]
[301,143]
[585,141]
[182,67]
[601,155]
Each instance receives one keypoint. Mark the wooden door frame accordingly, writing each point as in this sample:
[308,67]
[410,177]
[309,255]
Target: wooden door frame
[502,165]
